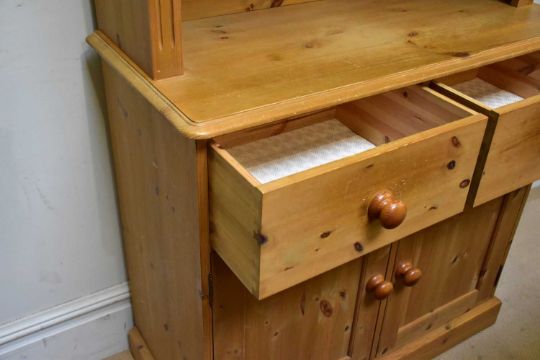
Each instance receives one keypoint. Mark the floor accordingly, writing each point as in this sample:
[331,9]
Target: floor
[516,334]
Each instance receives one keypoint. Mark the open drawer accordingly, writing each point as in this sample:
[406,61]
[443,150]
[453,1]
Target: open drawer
[509,92]
[291,201]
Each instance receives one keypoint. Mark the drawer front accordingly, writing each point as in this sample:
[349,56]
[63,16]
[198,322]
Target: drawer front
[321,222]
[279,234]
[509,93]
[514,158]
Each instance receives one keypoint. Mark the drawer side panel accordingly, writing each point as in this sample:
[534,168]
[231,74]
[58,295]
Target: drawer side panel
[234,220]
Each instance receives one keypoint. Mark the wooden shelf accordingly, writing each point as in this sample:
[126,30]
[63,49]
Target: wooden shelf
[252,68]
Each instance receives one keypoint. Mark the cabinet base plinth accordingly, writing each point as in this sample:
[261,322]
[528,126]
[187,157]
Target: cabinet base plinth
[137,346]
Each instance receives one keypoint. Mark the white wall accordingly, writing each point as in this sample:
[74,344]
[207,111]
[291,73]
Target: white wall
[59,231]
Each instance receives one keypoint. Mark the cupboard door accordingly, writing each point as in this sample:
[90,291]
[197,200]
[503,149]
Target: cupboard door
[446,260]
[312,320]
[368,306]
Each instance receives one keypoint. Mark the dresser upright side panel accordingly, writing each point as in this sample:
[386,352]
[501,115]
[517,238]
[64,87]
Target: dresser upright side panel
[148,31]
[162,190]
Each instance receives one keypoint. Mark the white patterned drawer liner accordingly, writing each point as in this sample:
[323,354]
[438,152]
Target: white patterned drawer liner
[289,153]
[487,93]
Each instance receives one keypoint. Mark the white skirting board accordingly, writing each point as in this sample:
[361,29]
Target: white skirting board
[90,328]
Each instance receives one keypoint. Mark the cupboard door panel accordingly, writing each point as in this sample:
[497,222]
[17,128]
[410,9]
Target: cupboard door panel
[450,255]
[368,307]
[312,320]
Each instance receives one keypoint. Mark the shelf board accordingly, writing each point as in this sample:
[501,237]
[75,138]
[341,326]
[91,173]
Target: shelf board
[252,68]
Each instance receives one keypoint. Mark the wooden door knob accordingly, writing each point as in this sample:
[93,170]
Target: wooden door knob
[380,288]
[406,272]
[385,207]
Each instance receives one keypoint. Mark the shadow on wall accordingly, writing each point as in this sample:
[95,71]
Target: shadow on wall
[91,65]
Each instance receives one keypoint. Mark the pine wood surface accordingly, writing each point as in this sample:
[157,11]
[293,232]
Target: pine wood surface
[137,346]
[514,143]
[250,69]
[148,31]
[503,235]
[281,316]
[241,71]
[514,157]
[450,263]
[313,320]
[200,9]
[291,214]
[161,183]
[370,311]
[443,338]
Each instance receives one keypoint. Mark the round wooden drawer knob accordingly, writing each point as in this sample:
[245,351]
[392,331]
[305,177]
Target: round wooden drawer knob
[408,274]
[380,288]
[390,211]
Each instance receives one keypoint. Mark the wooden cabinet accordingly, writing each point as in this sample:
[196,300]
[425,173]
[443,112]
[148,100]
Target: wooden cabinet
[335,315]
[390,248]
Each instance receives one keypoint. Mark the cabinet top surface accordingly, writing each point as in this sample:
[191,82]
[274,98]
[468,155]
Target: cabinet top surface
[247,69]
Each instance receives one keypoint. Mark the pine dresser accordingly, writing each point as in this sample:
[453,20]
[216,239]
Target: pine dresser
[333,179]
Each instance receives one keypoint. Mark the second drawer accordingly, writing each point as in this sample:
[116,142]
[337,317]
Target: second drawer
[281,215]
[509,91]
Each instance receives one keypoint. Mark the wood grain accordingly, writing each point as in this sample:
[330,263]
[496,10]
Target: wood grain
[322,38]
[235,213]
[333,199]
[161,207]
[137,346]
[503,235]
[149,31]
[306,239]
[241,72]
[513,137]
[436,318]
[292,214]
[450,335]
[513,160]
[200,9]
[312,320]
[205,247]
[368,309]
[451,264]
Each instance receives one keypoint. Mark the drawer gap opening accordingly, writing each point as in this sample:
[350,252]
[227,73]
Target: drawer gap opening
[296,145]
[501,84]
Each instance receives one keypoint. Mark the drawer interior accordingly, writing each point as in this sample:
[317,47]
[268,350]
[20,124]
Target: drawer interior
[296,145]
[499,84]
